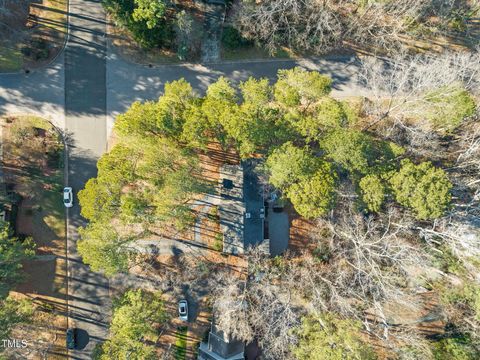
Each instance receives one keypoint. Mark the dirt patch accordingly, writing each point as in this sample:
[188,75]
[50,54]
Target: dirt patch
[301,231]
[36,32]
[33,167]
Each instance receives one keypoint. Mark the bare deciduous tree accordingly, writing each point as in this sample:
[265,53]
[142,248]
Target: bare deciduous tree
[320,25]
[305,24]
[259,307]
[362,265]
[398,86]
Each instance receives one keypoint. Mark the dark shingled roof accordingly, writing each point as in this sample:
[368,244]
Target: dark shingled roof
[223,345]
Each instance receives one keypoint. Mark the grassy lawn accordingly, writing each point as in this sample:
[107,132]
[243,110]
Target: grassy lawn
[42,36]
[10,57]
[181,342]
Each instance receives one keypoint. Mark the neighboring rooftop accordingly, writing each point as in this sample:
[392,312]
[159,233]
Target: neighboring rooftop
[221,347]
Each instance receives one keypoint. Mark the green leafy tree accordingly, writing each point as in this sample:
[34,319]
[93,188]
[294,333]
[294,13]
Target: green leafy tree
[103,248]
[220,106]
[164,118]
[423,188]
[197,129]
[327,115]
[99,199]
[147,20]
[119,164]
[222,90]
[144,179]
[139,119]
[353,150]
[134,207]
[288,164]
[313,196]
[171,201]
[372,190]
[257,92]
[151,11]
[136,318]
[329,338]
[298,86]
[177,98]
[252,128]
[12,253]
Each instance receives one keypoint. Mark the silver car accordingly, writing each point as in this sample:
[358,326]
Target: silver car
[68,197]
[183,310]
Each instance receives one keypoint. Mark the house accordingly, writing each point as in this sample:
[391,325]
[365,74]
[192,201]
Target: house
[232,209]
[241,210]
[220,346]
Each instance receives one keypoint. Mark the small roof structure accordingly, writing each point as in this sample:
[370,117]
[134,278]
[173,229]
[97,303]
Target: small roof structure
[221,346]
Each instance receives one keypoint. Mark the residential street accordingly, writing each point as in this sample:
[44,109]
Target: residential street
[82,92]
[85,114]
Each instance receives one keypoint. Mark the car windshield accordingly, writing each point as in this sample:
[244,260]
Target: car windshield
[66,201]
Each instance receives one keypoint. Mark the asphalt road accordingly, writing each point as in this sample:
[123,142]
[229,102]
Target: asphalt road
[85,124]
[40,92]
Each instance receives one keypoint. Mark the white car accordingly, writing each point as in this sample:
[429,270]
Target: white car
[183,310]
[68,197]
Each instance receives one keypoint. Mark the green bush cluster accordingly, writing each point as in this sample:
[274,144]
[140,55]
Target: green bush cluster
[232,39]
[148,21]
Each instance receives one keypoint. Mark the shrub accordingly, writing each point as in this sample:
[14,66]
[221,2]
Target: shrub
[459,348]
[218,242]
[372,191]
[447,108]
[232,39]
[147,21]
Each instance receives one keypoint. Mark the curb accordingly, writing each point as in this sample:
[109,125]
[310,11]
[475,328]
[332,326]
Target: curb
[353,58]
